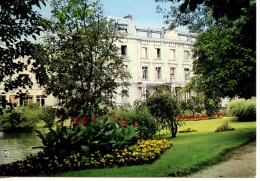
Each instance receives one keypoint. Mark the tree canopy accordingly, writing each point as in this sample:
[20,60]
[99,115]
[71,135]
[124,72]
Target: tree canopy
[225,51]
[85,66]
[19,22]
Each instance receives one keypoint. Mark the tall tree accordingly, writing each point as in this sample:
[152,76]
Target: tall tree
[19,21]
[85,68]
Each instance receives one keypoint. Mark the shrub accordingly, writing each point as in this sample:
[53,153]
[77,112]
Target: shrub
[86,138]
[244,110]
[141,116]
[16,121]
[224,127]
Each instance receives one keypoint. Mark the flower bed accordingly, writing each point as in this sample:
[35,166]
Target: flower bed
[187,130]
[145,151]
[196,118]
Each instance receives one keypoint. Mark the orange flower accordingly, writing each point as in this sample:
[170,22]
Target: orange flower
[124,123]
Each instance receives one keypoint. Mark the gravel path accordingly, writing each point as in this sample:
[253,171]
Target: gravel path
[241,163]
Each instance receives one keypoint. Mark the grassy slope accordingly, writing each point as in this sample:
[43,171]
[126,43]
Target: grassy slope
[190,152]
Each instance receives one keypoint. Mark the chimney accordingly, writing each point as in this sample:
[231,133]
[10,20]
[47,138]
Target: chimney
[128,17]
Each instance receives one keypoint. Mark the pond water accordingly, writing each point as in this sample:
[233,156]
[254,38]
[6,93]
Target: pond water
[18,146]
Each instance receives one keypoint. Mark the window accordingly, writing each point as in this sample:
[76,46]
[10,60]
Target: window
[172,73]
[145,73]
[125,98]
[41,99]
[186,55]
[24,101]
[187,73]
[122,27]
[172,54]
[144,52]
[123,50]
[158,73]
[158,53]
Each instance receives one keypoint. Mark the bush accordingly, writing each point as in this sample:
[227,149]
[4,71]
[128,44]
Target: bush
[16,121]
[102,133]
[244,110]
[141,116]
[224,127]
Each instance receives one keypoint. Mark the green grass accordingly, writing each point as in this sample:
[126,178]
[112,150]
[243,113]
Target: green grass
[189,153]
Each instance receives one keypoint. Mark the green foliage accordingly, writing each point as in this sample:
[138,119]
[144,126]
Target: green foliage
[47,115]
[142,153]
[85,67]
[16,121]
[141,116]
[102,134]
[244,110]
[165,109]
[224,127]
[229,38]
[198,14]
[19,22]
[179,160]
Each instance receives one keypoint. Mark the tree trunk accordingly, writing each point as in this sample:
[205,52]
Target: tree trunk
[173,127]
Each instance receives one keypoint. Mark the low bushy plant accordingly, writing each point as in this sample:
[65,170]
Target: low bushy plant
[244,110]
[102,133]
[224,127]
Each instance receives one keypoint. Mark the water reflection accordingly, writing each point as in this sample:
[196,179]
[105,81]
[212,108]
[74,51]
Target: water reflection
[19,145]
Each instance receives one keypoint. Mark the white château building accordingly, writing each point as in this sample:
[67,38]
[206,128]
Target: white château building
[153,57]
[36,94]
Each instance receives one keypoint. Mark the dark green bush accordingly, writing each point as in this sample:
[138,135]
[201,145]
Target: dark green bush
[103,134]
[146,122]
[244,110]
[16,121]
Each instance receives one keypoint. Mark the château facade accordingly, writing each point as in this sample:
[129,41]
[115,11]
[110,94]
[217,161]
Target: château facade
[154,57]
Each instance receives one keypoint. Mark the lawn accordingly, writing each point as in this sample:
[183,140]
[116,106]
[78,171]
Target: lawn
[189,153]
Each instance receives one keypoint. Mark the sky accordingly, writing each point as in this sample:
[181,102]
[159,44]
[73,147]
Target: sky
[143,12]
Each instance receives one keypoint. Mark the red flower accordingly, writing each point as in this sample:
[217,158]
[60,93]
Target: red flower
[124,123]
[136,123]
[61,116]
[74,120]
[112,116]
[83,120]
[121,118]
